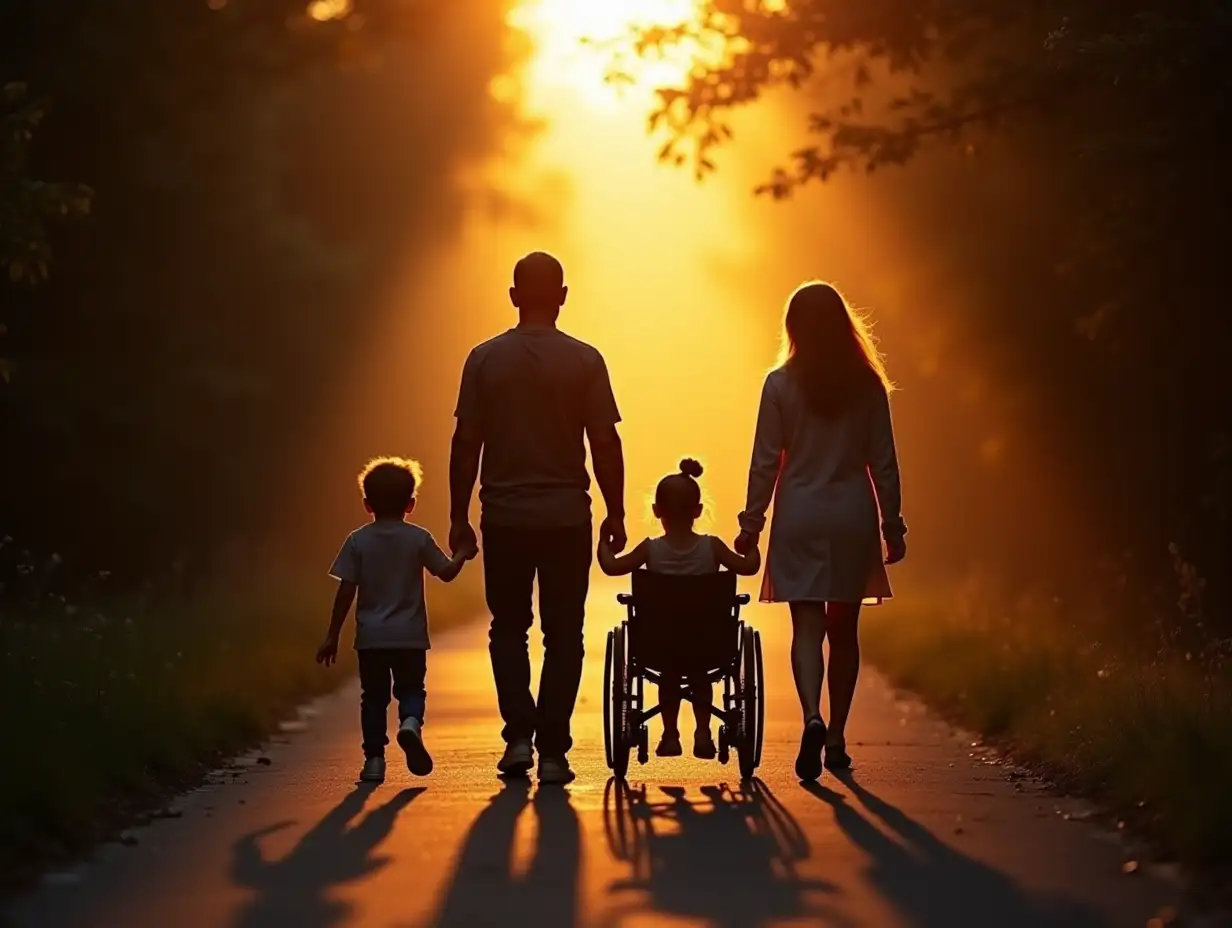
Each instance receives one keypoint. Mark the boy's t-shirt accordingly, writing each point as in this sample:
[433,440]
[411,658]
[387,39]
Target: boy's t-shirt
[386,559]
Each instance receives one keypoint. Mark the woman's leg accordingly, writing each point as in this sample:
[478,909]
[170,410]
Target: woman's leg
[808,624]
[842,628]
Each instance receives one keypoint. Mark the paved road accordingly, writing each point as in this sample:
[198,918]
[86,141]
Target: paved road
[923,835]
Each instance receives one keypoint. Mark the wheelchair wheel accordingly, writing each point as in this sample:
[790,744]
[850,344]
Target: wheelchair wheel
[761,700]
[749,701]
[616,697]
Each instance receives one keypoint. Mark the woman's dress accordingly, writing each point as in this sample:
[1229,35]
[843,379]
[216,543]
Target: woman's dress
[828,477]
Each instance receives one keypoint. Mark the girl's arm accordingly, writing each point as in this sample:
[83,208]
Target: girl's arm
[765,462]
[615,566]
[746,565]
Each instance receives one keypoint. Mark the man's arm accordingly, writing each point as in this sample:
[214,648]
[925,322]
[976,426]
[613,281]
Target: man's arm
[464,455]
[607,455]
[606,452]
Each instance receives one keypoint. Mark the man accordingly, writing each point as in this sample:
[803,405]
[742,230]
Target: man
[527,398]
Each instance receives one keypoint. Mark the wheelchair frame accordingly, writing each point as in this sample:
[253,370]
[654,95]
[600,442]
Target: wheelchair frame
[741,718]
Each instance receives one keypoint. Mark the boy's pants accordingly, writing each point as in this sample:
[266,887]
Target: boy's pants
[406,669]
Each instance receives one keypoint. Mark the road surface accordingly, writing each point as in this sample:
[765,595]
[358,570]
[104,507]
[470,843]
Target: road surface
[925,834]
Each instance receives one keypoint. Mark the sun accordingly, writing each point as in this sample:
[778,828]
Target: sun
[565,34]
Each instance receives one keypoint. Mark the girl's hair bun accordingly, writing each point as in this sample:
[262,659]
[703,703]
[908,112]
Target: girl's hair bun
[691,468]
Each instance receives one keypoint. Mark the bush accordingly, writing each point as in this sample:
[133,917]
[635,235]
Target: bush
[1143,726]
[108,708]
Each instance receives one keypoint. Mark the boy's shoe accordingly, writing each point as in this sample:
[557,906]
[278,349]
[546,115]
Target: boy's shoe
[410,739]
[555,770]
[374,770]
[517,760]
[669,745]
[703,746]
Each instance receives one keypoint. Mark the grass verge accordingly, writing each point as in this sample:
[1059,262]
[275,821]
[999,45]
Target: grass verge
[1146,730]
[107,710]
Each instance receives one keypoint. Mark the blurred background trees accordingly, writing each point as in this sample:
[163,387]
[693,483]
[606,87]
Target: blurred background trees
[254,172]
[1121,310]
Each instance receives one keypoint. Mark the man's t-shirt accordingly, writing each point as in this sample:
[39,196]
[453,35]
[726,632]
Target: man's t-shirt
[386,559]
[533,392]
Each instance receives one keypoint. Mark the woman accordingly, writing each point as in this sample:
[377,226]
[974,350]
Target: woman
[824,451]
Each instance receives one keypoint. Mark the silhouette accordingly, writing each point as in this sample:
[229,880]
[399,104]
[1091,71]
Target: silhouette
[294,890]
[931,884]
[730,859]
[824,452]
[529,402]
[487,878]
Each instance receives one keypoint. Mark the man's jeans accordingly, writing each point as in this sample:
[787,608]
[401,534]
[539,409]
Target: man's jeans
[561,558]
[377,667]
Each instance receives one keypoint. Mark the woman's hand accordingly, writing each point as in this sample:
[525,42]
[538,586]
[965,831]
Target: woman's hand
[896,549]
[745,542]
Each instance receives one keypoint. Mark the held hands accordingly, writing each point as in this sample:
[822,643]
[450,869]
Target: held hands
[327,653]
[612,534]
[744,543]
[462,538]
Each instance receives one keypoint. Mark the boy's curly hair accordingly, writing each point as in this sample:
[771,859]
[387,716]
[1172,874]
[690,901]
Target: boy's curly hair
[389,484]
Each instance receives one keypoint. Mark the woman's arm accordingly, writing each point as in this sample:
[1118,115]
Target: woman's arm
[766,460]
[615,566]
[746,565]
[883,467]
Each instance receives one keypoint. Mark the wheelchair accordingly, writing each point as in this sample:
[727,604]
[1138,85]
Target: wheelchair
[687,627]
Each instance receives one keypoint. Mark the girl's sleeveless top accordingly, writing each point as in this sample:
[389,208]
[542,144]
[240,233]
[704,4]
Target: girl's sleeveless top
[699,559]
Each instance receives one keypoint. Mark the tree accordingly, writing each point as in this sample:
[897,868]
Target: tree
[165,375]
[1127,102]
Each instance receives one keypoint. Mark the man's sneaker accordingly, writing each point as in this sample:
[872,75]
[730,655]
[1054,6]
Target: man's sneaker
[410,739]
[555,770]
[374,770]
[517,760]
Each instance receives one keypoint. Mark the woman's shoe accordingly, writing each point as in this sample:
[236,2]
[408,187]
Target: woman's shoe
[837,757]
[808,761]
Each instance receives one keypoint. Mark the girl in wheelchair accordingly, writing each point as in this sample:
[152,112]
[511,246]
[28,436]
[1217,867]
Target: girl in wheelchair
[681,550]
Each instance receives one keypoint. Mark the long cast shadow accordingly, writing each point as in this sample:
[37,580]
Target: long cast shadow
[931,884]
[489,887]
[730,858]
[294,890]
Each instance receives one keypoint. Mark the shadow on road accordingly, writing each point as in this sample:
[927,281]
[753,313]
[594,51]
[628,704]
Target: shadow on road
[294,890]
[929,883]
[493,884]
[729,857]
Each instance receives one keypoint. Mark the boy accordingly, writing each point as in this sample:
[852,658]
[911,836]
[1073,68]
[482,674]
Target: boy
[384,563]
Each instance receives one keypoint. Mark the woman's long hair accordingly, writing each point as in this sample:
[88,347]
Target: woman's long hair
[829,347]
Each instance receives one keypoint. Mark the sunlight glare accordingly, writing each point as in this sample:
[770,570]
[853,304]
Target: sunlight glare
[571,39]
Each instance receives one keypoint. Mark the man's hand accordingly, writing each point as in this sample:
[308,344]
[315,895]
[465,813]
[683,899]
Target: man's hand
[462,538]
[896,549]
[612,532]
[327,653]
[744,543]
